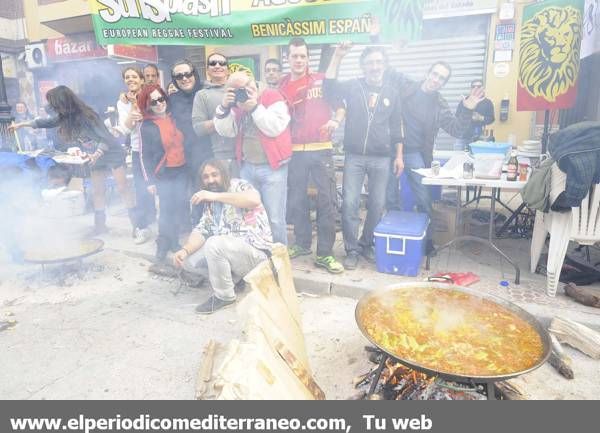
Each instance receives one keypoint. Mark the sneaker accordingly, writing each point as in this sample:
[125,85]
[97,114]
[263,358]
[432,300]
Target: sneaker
[142,236]
[368,254]
[329,263]
[240,286]
[296,251]
[351,260]
[212,305]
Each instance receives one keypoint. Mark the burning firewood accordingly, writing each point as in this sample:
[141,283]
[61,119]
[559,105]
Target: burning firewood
[511,391]
[576,335]
[559,359]
[399,382]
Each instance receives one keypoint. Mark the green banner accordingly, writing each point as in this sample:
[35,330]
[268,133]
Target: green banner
[253,22]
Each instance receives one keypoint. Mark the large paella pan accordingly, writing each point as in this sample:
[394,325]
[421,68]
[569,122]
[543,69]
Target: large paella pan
[68,250]
[452,331]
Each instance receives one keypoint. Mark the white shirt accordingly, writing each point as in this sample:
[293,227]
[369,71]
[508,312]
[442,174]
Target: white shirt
[134,134]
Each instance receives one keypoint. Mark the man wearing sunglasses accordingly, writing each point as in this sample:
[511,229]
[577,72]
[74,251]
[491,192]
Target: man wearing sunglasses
[197,149]
[483,114]
[205,104]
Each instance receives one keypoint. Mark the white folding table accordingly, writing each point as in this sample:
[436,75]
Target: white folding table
[495,185]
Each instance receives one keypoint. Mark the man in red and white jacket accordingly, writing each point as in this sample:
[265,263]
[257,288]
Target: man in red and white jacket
[258,119]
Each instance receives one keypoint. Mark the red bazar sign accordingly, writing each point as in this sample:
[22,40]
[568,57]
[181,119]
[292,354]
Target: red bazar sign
[74,47]
[142,53]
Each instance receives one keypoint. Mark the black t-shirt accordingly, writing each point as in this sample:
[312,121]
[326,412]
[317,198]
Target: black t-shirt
[418,109]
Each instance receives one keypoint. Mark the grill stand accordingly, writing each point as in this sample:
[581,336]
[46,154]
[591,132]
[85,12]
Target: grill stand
[489,385]
[63,270]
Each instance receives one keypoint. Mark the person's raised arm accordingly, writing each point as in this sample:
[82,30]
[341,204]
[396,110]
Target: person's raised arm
[246,199]
[224,119]
[271,120]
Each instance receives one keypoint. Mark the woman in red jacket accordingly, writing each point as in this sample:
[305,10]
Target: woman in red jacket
[163,166]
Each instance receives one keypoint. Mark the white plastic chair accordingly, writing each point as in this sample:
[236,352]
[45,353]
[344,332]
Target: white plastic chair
[581,225]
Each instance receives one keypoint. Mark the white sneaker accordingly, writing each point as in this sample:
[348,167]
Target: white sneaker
[142,236]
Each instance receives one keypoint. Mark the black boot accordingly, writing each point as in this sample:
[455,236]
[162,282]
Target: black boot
[100,222]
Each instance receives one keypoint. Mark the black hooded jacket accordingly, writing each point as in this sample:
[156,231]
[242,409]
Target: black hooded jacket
[197,149]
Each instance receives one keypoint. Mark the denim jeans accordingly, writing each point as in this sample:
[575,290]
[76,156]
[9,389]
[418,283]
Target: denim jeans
[377,169]
[392,190]
[420,191]
[272,186]
[225,260]
[172,196]
[318,166]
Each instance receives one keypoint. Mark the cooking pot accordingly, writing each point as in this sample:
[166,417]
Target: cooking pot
[70,251]
[504,306]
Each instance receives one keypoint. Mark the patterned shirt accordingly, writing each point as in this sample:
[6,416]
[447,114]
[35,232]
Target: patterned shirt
[250,224]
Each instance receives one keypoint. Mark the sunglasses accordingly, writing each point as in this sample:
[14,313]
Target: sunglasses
[155,102]
[183,75]
[217,62]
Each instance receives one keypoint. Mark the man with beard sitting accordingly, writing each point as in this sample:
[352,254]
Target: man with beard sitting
[232,237]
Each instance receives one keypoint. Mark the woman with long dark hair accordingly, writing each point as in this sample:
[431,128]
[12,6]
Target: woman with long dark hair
[130,120]
[79,126]
[164,166]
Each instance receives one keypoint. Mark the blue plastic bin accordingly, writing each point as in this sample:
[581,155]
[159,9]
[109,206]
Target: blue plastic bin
[399,242]
[489,147]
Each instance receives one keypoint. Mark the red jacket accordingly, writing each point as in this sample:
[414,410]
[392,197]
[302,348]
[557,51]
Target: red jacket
[277,149]
[309,110]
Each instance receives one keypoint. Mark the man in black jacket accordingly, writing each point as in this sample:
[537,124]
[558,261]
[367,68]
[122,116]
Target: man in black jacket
[425,112]
[186,79]
[197,149]
[372,135]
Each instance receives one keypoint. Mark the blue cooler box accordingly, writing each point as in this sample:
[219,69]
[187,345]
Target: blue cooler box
[399,242]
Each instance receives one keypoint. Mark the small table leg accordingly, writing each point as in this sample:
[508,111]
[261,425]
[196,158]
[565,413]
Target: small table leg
[491,237]
[489,241]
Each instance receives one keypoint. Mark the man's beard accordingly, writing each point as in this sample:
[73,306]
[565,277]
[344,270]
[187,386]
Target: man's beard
[215,187]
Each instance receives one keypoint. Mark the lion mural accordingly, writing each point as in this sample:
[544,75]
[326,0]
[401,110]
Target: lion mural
[550,43]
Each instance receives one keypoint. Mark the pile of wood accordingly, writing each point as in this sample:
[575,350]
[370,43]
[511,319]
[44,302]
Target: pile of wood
[398,382]
[271,361]
[576,335]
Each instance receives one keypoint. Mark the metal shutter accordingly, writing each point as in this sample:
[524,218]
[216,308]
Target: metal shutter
[466,55]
